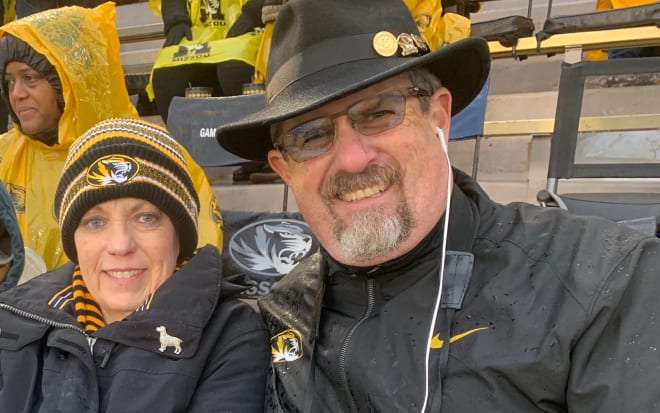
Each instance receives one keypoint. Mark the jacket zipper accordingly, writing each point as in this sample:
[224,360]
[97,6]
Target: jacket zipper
[46,321]
[371,299]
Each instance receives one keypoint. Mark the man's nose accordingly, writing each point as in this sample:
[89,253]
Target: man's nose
[352,150]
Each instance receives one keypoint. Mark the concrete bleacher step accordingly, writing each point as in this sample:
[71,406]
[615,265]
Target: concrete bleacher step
[141,36]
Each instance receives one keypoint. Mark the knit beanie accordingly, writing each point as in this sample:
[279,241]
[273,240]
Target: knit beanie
[119,158]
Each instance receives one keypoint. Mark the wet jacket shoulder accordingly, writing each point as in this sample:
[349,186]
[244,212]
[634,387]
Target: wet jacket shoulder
[580,297]
[212,354]
[558,315]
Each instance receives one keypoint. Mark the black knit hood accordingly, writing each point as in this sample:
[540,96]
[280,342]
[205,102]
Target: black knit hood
[13,49]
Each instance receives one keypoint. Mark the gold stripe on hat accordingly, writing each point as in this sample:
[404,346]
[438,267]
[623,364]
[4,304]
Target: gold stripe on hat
[385,44]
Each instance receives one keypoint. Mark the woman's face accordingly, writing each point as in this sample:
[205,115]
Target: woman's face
[127,248]
[32,98]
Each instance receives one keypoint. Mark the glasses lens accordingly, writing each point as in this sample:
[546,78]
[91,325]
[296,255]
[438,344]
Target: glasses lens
[369,116]
[379,113]
[309,139]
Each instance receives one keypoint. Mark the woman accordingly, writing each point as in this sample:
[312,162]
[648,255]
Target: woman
[139,320]
[61,73]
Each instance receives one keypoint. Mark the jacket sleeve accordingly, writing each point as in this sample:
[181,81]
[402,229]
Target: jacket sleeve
[616,361]
[249,18]
[235,376]
[174,12]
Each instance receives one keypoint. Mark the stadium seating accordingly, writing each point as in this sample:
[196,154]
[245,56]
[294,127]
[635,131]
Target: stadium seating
[629,141]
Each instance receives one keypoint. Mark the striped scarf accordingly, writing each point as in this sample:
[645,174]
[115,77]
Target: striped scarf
[76,300]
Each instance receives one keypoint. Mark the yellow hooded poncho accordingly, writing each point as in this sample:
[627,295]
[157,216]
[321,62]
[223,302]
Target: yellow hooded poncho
[208,44]
[83,46]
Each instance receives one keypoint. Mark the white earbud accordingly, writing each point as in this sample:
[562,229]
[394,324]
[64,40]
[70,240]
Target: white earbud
[438,299]
[441,136]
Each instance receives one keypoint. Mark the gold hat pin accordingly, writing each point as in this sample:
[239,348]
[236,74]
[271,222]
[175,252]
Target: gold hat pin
[386,44]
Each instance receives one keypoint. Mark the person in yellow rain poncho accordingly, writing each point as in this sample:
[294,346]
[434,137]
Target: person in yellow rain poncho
[61,74]
[209,43]
[602,5]
[438,28]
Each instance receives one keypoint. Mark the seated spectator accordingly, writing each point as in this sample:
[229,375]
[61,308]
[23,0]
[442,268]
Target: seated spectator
[140,320]
[205,45]
[61,73]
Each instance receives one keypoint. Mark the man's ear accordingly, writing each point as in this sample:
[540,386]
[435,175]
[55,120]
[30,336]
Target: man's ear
[279,164]
[440,108]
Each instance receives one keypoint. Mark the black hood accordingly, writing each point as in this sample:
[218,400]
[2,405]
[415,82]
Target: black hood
[13,49]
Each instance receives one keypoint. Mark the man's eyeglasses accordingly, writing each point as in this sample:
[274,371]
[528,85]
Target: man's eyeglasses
[369,116]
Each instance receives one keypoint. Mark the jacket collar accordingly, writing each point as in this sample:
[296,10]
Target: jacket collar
[182,305]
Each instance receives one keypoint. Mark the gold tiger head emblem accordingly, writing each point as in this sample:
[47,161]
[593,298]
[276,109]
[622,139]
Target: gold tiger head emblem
[286,346]
[112,170]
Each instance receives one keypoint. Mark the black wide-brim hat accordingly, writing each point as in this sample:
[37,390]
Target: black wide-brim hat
[324,50]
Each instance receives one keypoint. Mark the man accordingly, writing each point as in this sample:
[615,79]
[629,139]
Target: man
[61,73]
[540,311]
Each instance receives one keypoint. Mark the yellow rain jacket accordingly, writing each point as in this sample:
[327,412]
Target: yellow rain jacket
[602,5]
[209,43]
[83,46]
[437,29]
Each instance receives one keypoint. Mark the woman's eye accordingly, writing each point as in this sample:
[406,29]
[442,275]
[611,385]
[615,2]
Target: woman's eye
[93,222]
[148,218]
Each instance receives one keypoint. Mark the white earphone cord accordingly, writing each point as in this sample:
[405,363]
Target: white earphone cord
[438,300]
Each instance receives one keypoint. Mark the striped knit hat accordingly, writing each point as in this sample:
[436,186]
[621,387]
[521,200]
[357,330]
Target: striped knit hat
[119,158]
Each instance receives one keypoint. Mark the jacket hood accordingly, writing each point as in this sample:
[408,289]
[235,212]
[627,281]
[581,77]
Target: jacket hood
[13,49]
[83,46]
[11,242]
